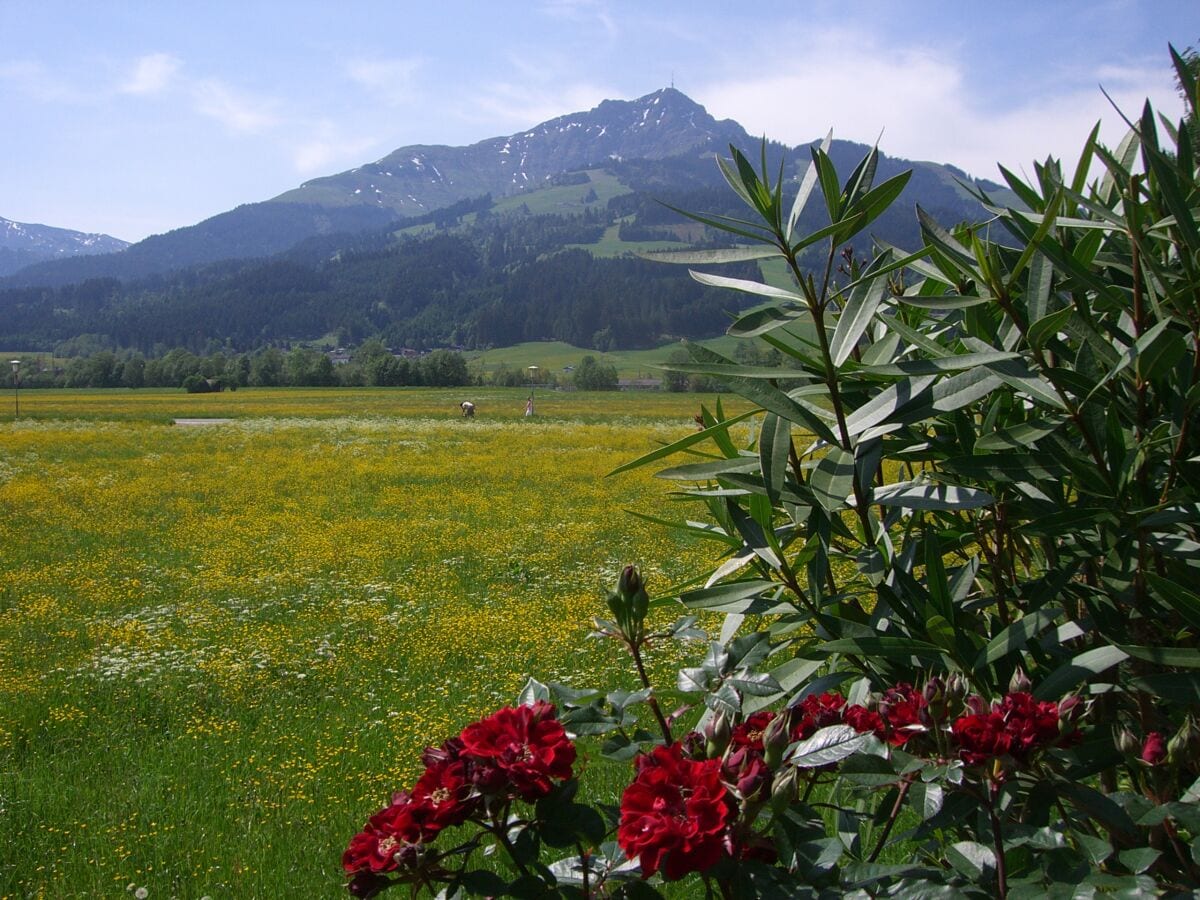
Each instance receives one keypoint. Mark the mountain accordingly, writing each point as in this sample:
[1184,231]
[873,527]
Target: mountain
[525,237]
[417,179]
[22,244]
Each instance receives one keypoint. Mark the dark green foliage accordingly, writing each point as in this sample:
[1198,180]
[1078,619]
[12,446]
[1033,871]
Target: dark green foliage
[593,375]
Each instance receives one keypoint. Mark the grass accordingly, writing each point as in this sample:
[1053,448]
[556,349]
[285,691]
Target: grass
[222,647]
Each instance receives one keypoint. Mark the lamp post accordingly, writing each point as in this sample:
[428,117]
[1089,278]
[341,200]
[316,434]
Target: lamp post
[16,366]
[529,406]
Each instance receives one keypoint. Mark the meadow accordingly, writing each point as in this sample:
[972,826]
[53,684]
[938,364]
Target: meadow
[222,647]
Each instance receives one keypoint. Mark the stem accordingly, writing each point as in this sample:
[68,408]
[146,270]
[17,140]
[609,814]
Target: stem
[635,651]
[583,858]
[998,844]
[892,817]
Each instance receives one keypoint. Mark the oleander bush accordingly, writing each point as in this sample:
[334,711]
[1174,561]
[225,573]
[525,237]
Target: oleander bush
[958,568]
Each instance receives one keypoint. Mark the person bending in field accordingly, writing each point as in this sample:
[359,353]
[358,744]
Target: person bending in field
[468,409]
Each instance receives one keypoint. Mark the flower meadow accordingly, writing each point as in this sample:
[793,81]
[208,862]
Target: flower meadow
[220,644]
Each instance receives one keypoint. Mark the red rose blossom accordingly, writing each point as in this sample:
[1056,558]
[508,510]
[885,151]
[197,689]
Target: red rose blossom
[750,732]
[1154,751]
[388,837]
[675,813]
[525,745]
[981,737]
[817,711]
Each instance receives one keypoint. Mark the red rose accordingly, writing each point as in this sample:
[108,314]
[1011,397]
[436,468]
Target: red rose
[750,732]
[862,720]
[1032,724]
[981,737]
[902,709]
[386,842]
[443,797]
[675,814]
[817,711]
[1154,751]
[526,745]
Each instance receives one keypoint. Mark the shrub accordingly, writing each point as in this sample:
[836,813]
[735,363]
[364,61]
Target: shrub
[958,560]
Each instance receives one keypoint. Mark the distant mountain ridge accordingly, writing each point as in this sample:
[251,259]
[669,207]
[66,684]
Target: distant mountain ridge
[417,179]
[420,178]
[525,237]
[22,244]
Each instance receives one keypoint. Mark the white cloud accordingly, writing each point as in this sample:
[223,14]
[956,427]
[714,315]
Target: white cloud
[391,80]
[924,104]
[236,111]
[34,80]
[327,148]
[152,74]
[513,105]
[586,11]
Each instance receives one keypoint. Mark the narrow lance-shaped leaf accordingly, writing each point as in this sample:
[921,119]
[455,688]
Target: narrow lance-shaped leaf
[774,450]
[806,186]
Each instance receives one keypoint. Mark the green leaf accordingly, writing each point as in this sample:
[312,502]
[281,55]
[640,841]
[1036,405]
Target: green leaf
[1139,859]
[872,205]
[1178,657]
[940,364]
[1027,434]
[829,745]
[774,446]
[737,596]
[709,257]
[760,321]
[926,799]
[1177,687]
[1091,662]
[706,471]
[915,495]
[806,185]
[855,319]
[695,438]
[1179,598]
[748,287]
[833,479]
[1017,635]
[900,648]
[972,860]
[1048,326]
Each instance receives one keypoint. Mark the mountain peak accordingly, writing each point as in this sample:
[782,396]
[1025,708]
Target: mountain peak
[23,244]
[415,179]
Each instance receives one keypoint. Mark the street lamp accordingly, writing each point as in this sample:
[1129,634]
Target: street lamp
[529,406]
[16,364]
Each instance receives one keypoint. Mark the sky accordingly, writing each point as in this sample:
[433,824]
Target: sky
[133,118]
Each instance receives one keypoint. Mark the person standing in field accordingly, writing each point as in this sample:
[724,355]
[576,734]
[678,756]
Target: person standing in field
[468,409]
[529,407]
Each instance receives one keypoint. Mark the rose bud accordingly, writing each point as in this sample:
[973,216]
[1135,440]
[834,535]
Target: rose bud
[776,738]
[1127,742]
[783,788]
[717,733]
[1154,750]
[1019,683]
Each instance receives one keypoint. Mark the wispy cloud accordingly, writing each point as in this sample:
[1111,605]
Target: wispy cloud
[923,101]
[327,148]
[390,80]
[152,74]
[587,11]
[235,110]
[34,80]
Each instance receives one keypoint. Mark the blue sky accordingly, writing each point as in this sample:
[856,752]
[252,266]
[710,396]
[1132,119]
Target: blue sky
[133,118]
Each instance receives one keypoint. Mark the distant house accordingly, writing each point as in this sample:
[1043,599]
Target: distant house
[339,357]
[639,384]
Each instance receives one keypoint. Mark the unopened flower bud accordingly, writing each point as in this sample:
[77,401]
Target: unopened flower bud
[776,737]
[1188,738]
[956,689]
[1154,750]
[717,733]
[630,581]
[784,788]
[977,706]
[1069,711]
[1019,683]
[1127,742]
